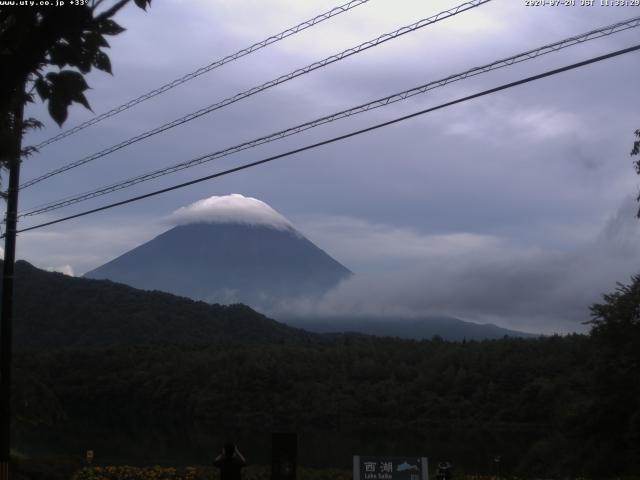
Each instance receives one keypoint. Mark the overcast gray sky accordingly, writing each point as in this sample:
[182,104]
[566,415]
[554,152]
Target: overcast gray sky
[516,208]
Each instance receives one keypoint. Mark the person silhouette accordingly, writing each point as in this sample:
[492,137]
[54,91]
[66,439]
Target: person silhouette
[444,471]
[230,462]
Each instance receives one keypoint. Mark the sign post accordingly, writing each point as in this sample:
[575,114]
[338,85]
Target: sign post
[284,456]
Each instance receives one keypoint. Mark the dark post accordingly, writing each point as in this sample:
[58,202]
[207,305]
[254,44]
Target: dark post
[284,456]
[6,312]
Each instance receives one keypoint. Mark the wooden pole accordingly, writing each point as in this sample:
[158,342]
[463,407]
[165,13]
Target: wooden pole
[6,308]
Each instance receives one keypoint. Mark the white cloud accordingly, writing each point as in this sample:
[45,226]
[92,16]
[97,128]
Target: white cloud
[83,248]
[351,28]
[480,278]
[234,208]
[65,269]
[502,119]
[361,244]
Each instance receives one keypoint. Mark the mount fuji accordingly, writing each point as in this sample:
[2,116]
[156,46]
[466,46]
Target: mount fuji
[228,249]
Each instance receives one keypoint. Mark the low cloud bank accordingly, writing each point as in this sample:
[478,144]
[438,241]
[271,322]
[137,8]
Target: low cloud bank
[490,280]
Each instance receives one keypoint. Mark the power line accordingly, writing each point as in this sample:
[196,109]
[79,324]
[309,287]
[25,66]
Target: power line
[272,83]
[341,137]
[202,70]
[396,97]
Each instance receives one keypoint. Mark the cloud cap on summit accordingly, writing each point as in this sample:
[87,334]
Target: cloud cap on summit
[234,208]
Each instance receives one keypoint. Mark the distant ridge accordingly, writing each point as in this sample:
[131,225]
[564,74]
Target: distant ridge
[448,328]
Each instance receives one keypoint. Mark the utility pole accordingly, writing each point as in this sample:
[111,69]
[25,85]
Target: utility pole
[6,308]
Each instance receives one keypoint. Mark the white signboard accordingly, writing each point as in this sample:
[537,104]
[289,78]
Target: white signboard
[390,468]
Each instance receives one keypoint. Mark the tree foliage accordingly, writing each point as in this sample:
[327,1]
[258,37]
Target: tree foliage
[325,383]
[613,421]
[636,151]
[48,50]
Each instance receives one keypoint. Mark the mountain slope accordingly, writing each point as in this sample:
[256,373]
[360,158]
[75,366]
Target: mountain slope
[227,262]
[54,310]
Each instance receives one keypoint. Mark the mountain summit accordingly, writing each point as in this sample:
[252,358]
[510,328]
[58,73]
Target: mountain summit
[228,249]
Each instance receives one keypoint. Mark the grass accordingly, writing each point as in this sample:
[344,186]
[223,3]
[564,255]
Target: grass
[198,473]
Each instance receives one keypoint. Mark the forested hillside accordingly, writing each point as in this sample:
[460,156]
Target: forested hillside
[346,381]
[54,311]
[342,384]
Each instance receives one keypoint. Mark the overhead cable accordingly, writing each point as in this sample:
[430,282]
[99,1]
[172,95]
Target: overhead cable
[254,90]
[202,70]
[339,138]
[396,97]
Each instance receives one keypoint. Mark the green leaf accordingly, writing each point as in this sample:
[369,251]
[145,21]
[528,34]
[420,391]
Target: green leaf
[102,42]
[80,98]
[68,81]
[58,110]
[636,146]
[94,41]
[109,27]
[143,3]
[60,55]
[83,61]
[102,62]
[65,87]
